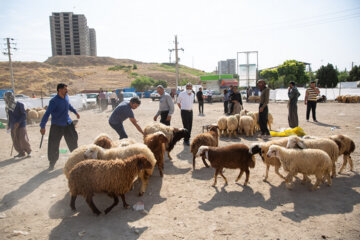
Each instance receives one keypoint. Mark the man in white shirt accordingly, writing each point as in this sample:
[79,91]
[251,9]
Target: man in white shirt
[185,102]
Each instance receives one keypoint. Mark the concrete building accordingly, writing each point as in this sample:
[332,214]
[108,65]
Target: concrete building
[227,67]
[70,35]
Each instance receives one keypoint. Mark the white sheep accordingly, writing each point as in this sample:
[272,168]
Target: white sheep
[32,116]
[246,125]
[124,142]
[256,119]
[306,161]
[222,125]
[325,144]
[232,125]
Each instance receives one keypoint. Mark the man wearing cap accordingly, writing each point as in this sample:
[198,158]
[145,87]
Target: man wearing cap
[310,100]
[293,94]
[185,102]
[166,106]
[263,109]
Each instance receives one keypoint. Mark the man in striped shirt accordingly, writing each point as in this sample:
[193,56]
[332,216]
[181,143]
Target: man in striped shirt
[310,100]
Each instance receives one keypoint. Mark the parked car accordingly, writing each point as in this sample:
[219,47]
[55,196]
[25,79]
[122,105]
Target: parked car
[154,95]
[91,100]
[216,96]
[129,95]
[21,96]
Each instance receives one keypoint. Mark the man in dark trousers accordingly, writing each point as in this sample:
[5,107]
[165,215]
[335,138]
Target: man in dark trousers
[185,102]
[122,112]
[166,106]
[263,109]
[61,124]
[310,100]
[293,94]
[200,98]
[17,123]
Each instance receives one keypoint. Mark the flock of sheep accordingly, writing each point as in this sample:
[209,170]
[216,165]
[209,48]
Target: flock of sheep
[348,99]
[111,167]
[35,115]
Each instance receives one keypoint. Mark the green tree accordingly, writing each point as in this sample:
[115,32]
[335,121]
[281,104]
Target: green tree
[293,70]
[160,82]
[271,75]
[354,74]
[134,67]
[142,83]
[343,76]
[327,76]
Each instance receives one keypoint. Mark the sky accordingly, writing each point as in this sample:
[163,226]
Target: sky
[317,32]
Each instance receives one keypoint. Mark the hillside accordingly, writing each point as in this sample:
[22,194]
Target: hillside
[83,72]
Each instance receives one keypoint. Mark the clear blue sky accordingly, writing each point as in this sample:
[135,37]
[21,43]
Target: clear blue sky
[318,32]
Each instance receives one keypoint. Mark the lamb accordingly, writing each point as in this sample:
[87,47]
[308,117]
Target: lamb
[232,156]
[156,142]
[325,144]
[103,140]
[232,125]
[114,177]
[210,138]
[306,161]
[346,147]
[246,124]
[172,134]
[96,152]
[222,125]
[262,149]
[41,114]
[32,116]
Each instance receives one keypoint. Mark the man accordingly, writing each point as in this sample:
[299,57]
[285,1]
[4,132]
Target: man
[61,124]
[102,100]
[236,101]
[122,112]
[293,94]
[226,101]
[113,99]
[166,106]
[310,100]
[17,123]
[263,109]
[200,98]
[185,102]
[120,97]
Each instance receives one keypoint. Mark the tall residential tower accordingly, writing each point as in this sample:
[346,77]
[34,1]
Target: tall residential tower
[70,35]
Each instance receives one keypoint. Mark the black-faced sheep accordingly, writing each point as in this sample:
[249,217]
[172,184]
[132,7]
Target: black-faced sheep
[156,142]
[114,177]
[210,138]
[232,156]
[306,161]
[96,152]
[325,144]
[262,149]
[346,147]
[172,134]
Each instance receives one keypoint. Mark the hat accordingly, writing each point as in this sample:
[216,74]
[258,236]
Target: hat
[160,86]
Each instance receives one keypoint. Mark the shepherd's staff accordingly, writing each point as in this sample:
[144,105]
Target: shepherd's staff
[12,147]
[42,137]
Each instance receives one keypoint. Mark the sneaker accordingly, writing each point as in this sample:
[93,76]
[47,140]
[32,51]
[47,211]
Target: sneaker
[20,155]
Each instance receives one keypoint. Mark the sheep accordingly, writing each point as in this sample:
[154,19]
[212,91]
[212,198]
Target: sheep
[222,125]
[95,152]
[246,124]
[103,140]
[262,148]
[156,143]
[306,161]
[256,120]
[41,114]
[346,147]
[232,125]
[124,142]
[32,116]
[210,138]
[325,144]
[172,134]
[114,177]
[233,156]
[270,120]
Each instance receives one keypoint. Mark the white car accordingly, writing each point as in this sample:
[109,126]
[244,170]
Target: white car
[91,100]
[129,95]
[154,95]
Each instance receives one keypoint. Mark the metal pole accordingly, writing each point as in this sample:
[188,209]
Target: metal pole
[248,70]
[177,62]
[10,63]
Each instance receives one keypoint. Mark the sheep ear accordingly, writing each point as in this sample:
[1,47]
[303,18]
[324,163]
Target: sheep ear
[300,144]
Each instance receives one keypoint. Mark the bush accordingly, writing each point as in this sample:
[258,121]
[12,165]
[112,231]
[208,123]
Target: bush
[119,67]
[160,82]
[134,67]
[142,83]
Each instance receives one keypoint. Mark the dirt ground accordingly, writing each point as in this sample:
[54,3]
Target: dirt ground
[183,204]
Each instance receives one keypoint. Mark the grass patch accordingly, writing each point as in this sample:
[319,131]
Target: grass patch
[182,69]
[120,67]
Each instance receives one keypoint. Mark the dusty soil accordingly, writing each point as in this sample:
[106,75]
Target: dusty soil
[182,204]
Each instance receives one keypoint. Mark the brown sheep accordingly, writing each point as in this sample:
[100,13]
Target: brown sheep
[233,156]
[156,142]
[104,141]
[346,147]
[114,177]
[210,138]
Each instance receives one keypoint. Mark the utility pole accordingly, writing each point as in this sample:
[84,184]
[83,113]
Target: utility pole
[8,52]
[177,61]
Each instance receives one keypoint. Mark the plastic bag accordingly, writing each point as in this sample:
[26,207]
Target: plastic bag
[288,132]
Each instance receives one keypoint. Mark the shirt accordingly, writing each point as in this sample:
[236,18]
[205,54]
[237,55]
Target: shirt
[166,104]
[186,101]
[59,109]
[199,96]
[312,94]
[122,112]
[236,97]
[293,95]
[264,98]
[17,116]
[113,96]
[227,96]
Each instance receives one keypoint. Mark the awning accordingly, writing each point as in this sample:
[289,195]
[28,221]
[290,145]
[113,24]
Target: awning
[228,82]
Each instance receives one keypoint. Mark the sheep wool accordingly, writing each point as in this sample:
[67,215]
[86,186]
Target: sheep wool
[222,125]
[232,125]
